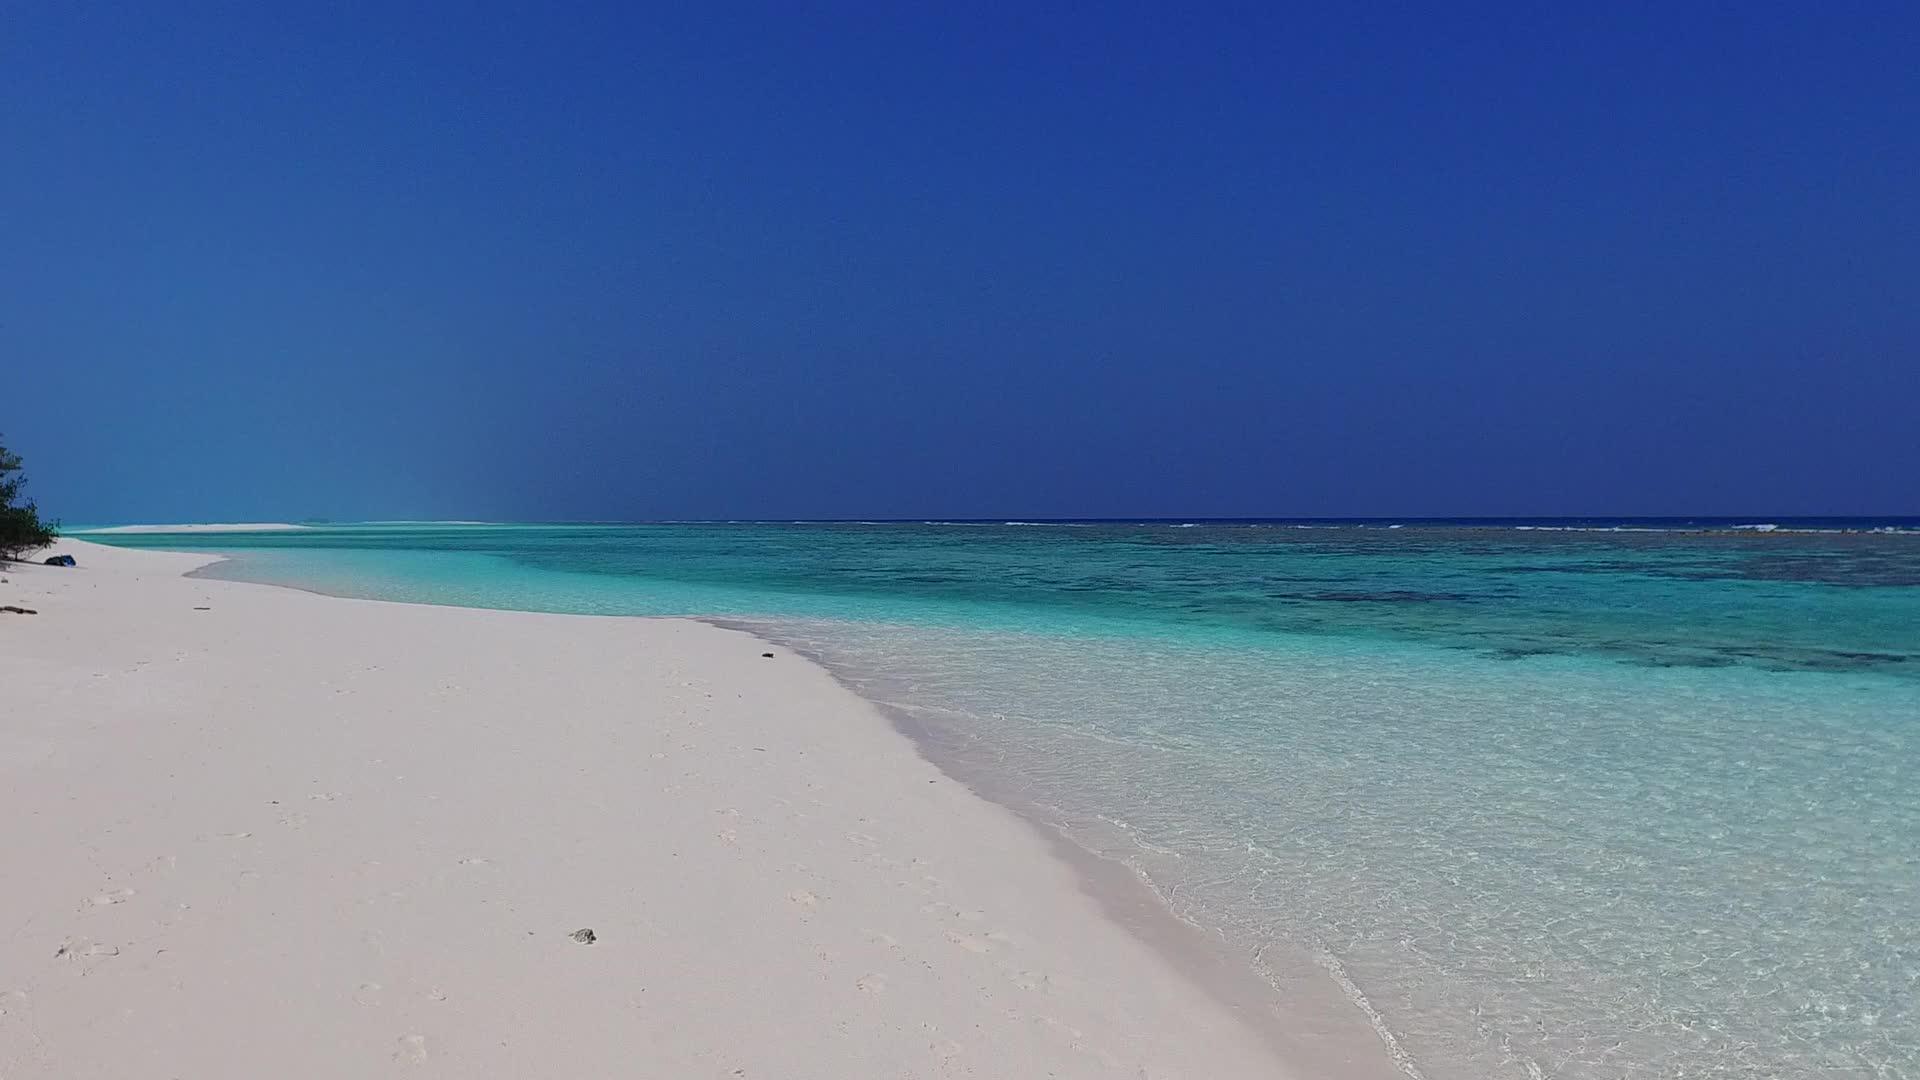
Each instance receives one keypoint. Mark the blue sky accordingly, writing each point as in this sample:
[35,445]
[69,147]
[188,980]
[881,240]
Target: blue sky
[619,261]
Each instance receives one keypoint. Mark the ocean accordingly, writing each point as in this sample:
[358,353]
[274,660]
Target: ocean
[1540,798]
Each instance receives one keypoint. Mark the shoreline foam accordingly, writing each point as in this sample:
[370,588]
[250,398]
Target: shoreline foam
[1318,1022]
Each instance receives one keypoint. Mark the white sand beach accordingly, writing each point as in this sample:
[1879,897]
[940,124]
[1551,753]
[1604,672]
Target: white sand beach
[256,832]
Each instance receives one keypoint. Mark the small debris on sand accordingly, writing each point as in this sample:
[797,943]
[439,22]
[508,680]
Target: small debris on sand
[767,655]
[583,936]
[11,610]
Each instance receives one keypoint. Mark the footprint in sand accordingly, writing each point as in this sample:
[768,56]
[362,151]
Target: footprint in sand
[928,885]
[969,943]
[872,983]
[804,898]
[108,899]
[475,860]
[951,911]
[728,836]
[368,993]
[412,1049]
[1031,980]
[84,950]
[325,796]
[160,864]
[1061,1027]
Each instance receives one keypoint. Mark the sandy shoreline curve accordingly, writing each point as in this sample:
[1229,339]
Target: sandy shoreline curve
[276,833]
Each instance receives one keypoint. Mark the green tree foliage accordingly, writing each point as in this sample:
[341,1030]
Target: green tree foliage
[21,529]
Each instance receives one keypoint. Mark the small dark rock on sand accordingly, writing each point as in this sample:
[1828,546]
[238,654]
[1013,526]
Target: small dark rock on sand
[583,936]
[767,655]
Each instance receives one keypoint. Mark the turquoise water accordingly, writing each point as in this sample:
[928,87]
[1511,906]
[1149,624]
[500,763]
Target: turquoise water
[1540,802]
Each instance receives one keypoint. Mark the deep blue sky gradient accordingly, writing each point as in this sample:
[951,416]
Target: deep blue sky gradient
[620,261]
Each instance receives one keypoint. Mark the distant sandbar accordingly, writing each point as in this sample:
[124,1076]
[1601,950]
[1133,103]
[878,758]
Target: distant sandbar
[235,526]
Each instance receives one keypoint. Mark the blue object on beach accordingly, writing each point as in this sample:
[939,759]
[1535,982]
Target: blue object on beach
[61,560]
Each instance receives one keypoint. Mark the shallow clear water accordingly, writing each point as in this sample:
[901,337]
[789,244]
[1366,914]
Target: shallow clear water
[1545,803]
